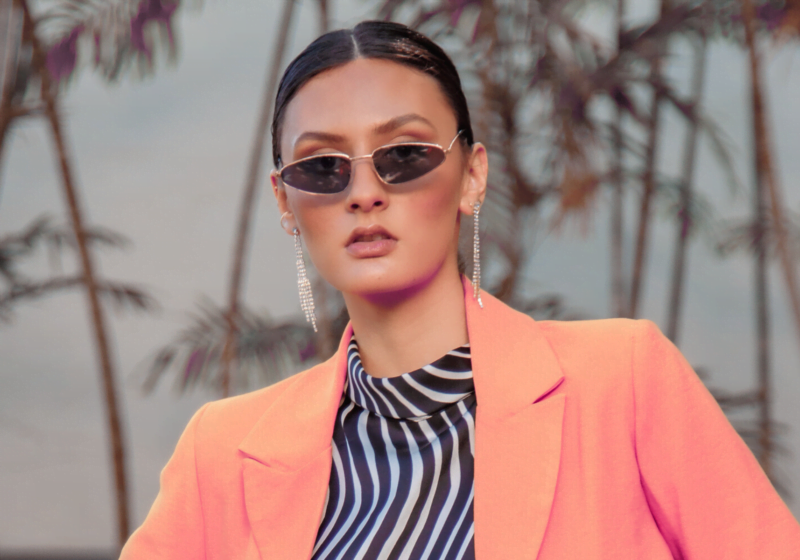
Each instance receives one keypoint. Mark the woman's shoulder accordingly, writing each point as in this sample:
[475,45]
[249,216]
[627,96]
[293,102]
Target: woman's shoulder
[607,350]
[599,334]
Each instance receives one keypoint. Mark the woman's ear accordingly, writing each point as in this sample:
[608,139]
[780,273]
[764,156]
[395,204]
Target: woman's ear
[474,187]
[288,222]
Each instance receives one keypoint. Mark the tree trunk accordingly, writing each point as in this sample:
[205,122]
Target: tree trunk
[764,177]
[684,214]
[324,17]
[768,176]
[5,127]
[509,285]
[617,200]
[762,333]
[249,194]
[648,182]
[98,320]
[9,19]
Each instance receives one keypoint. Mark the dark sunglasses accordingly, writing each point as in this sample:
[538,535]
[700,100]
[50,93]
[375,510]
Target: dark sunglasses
[395,163]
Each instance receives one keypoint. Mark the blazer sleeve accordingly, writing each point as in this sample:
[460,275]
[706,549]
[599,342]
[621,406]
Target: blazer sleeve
[173,529]
[706,490]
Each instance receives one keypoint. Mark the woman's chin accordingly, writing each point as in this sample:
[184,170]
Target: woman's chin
[387,285]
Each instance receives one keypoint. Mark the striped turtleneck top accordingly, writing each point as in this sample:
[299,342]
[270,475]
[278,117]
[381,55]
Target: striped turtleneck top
[402,482]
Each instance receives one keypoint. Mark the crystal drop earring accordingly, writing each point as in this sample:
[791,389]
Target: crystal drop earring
[476,254]
[303,285]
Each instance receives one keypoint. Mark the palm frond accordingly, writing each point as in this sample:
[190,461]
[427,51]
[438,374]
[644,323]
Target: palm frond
[776,19]
[698,217]
[43,231]
[118,34]
[742,235]
[123,296]
[16,247]
[266,351]
[722,148]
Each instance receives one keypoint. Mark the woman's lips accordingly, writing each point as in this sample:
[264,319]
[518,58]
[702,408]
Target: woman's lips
[371,249]
[370,242]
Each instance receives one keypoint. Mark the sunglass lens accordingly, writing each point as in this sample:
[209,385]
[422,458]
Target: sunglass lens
[323,174]
[406,162]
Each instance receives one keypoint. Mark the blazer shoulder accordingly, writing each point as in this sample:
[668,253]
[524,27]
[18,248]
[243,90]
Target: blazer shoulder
[599,349]
[598,332]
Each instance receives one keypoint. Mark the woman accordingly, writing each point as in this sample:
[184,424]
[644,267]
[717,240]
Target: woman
[447,425]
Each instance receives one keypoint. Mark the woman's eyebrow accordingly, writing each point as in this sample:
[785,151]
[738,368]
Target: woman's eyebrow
[383,128]
[397,122]
[319,136]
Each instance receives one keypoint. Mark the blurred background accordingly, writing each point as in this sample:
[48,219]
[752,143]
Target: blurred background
[643,164]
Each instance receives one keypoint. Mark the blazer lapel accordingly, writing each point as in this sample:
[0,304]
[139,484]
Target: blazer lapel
[287,455]
[517,431]
[287,461]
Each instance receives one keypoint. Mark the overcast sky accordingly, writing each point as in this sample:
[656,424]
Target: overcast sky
[162,161]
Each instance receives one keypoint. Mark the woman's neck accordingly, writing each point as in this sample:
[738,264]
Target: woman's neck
[414,331]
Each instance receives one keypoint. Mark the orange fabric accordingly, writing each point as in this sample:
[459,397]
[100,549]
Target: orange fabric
[594,440]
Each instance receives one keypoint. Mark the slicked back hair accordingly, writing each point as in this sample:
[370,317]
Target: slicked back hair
[371,39]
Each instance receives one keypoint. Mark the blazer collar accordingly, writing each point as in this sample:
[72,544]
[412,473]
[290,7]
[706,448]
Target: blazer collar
[287,457]
[299,424]
[512,361]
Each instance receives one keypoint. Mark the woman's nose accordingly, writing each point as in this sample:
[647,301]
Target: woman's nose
[366,190]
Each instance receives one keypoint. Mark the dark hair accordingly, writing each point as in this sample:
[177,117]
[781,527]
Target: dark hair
[371,39]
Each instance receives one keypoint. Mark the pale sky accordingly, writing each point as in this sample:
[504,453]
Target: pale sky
[162,161]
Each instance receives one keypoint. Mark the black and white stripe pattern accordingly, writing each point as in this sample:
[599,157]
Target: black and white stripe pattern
[402,482]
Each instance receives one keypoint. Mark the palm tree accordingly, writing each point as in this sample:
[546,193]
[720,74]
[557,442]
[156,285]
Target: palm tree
[765,191]
[254,169]
[764,235]
[89,277]
[119,42]
[649,173]
[765,166]
[618,304]
[685,218]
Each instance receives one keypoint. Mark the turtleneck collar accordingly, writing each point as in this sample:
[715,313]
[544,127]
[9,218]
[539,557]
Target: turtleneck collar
[413,395]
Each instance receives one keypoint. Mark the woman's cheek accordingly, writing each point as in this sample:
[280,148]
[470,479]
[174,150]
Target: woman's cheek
[316,225]
[436,211]
[434,202]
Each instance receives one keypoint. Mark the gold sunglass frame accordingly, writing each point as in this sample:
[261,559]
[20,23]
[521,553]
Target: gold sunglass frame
[351,159]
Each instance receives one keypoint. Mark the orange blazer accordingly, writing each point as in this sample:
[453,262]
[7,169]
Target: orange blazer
[594,440]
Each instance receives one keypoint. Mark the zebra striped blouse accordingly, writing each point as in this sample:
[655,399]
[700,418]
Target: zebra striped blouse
[401,484]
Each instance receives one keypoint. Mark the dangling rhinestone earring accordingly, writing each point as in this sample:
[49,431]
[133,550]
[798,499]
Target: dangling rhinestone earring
[303,285]
[476,255]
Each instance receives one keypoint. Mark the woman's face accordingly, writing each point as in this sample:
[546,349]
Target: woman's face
[354,109]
